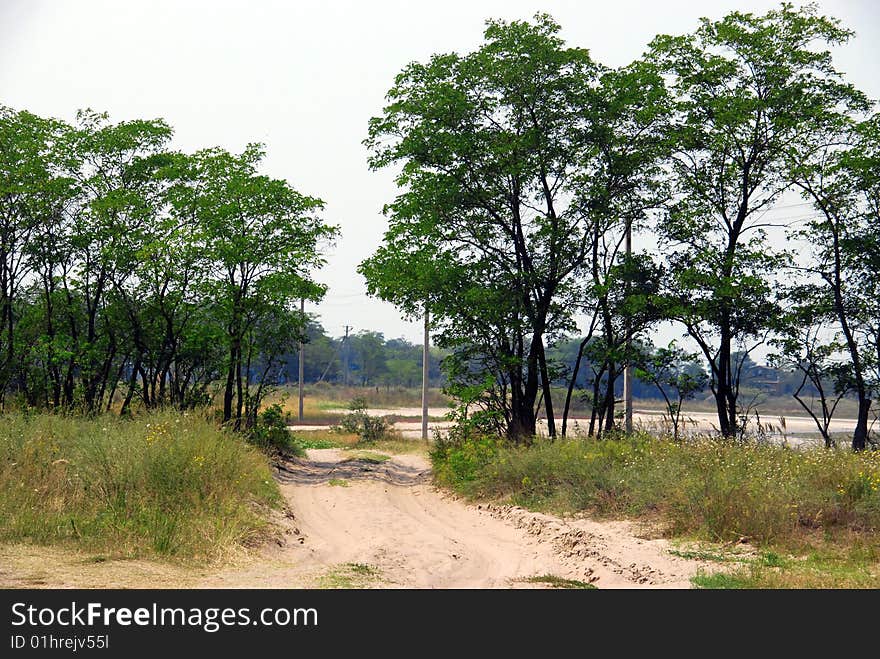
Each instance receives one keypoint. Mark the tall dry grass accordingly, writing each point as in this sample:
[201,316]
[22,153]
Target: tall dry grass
[165,484]
[705,488]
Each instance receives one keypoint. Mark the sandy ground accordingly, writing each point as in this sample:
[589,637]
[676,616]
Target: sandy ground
[363,524]
[793,428]
[389,518]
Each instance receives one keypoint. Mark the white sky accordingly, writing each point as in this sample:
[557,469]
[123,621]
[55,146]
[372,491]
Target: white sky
[305,77]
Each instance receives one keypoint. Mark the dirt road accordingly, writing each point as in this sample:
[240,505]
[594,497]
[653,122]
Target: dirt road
[362,523]
[366,524]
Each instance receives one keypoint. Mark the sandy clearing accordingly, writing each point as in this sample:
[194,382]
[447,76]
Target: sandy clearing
[413,535]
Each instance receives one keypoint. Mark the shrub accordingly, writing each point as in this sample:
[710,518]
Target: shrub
[272,434]
[359,422]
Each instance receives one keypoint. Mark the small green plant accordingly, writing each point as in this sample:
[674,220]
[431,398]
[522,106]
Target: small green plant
[368,428]
[368,456]
[306,442]
[349,575]
[272,434]
[558,582]
[721,580]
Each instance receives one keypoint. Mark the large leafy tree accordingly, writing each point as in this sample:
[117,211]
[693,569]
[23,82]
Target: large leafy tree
[31,197]
[260,240]
[620,181]
[749,89]
[484,234]
[838,174]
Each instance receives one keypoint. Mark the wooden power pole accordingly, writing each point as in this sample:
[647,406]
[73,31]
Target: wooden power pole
[345,357]
[302,310]
[628,370]
[425,380]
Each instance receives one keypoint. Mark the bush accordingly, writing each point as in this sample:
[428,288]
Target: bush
[462,462]
[358,422]
[272,434]
[162,483]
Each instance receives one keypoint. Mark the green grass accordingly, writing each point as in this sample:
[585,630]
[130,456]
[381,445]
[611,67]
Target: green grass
[558,582]
[822,564]
[367,456]
[338,482]
[164,484]
[709,555]
[350,575]
[306,441]
[780,500]
[722,580]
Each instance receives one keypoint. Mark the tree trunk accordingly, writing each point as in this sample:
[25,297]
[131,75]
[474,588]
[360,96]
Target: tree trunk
[548,394]
[571,384]
[860,435]
[229,391]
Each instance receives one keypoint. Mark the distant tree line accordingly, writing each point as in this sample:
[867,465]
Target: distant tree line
[371,360]
[135,275]
[522,165]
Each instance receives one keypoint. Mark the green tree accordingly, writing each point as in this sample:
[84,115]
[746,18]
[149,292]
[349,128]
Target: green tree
[670,369]
[32,196]
[260,240]
[483,233]
[749,90]
[369,355]
[839,176]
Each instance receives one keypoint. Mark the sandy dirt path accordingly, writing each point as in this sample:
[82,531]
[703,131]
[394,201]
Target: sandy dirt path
[362,524]
[387,518]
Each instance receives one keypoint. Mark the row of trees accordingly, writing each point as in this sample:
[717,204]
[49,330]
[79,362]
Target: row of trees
[364,358]
[134,274]
[524,163]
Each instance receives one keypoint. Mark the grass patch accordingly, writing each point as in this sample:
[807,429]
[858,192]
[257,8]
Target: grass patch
[408,446]
[558,582]
[722,580]
[778,498]
[350,575]
[166,484]
[338,482]
[367,456]
[709,555]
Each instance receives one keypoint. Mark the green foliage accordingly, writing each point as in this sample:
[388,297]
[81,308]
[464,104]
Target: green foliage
[272,434]
[164,484]
[134,276]
[368,428]
[716,490]
[749,91]
[462,462]
[486,235]
[721,580]
[349,576]
[676,374]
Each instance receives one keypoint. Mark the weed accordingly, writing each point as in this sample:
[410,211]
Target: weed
[350,575]
[559,582]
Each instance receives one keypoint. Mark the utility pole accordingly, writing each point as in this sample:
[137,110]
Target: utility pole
[302,311]
[425,379]
[628,370]
[345,357]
